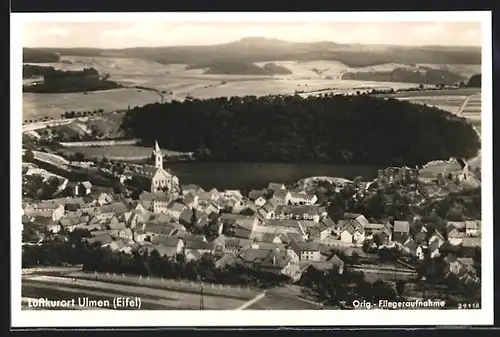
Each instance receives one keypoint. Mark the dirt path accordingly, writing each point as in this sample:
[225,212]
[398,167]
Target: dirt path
[252,301]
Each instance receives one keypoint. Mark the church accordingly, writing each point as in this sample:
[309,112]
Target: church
[155,178]
[162,180]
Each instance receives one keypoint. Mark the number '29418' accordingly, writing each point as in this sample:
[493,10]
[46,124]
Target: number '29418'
[468,306]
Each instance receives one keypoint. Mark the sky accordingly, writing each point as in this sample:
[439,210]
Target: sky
[115,35]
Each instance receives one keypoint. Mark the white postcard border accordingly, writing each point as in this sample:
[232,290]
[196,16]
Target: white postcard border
[111,318]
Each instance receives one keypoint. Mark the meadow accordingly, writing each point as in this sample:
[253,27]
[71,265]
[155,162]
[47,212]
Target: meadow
[159,298]
[174,78]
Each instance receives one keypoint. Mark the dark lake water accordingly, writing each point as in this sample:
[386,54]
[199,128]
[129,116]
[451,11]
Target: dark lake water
[246,176]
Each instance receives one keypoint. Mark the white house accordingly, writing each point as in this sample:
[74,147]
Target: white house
[85,188]
[472,228]
[260,201]
[302,199]
[281,197]
[352,233]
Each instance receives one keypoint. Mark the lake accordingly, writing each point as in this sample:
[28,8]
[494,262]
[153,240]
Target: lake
[247,176]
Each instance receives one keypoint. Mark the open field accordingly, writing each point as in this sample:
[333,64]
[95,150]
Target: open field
[306,76]
[236,292]
[53,105]
[167,299]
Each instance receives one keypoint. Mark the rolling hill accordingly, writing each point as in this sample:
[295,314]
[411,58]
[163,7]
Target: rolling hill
[251,50]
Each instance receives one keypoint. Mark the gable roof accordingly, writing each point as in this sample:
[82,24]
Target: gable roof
[280,193]
[469,242]
[401,227]
[472,225]
[87,184]
[460,225]
[275,186]
[199,245]
[255,194]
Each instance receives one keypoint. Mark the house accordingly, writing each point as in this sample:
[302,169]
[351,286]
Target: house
[383,236]
[161,249]
[191,200]
[200,246]
[140,235]
[220,245]
[304,212]
[359,218]
[413,248]
[455,234]
[160,202]
[436,240]
[267,211]
[52,211]
[255,194]
[117,208]
[227,260]
[401,231]
[469,245]
[273,187]
[281,197]
[260,201]
[234,245]
[70,224]
[193,255]
[352,232]
[126,234]
[248,223]
[213,207]
[373,228]
[288,226]
[241,233]
[104,199]
[334,263]
[302,199]
[233,194]
[85,188]
[191,188]
[458,225]
[307,251]
[269,260]
[205,198]
[288,237]
[322,230]
[120,246]
[472,228]
[101,240]
[156,231]
[270,238]
[175,209]
[117,225]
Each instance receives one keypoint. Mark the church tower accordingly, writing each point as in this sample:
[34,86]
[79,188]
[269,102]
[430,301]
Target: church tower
[158,156]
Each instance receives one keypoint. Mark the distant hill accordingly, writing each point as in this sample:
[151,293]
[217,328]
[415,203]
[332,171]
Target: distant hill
[32,55]
[250,50]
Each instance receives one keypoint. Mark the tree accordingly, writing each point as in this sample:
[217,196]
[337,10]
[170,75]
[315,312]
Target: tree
[383,290]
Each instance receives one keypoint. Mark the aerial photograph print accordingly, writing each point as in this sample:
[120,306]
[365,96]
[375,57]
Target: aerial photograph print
[248,165]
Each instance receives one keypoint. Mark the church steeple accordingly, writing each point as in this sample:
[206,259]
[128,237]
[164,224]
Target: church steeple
[158,156]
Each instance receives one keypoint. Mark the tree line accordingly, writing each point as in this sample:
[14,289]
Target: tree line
[333,129]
